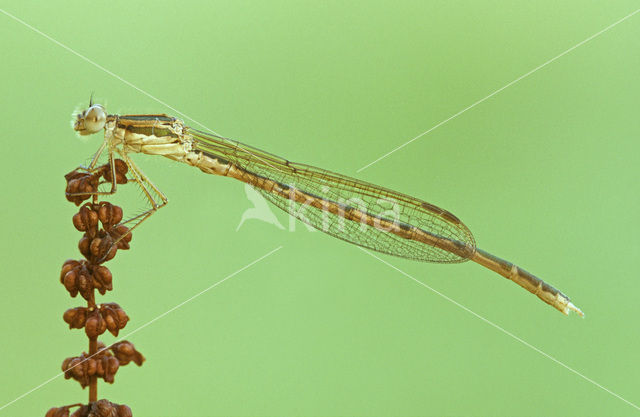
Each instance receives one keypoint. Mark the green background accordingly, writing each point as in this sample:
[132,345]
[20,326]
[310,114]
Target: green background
[545,174]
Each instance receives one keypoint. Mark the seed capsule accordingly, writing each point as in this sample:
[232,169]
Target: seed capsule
[75,317]
[86,220]
[126,352]
[121,169]
[109,214]
[58,412]
[102,279]
[95,325]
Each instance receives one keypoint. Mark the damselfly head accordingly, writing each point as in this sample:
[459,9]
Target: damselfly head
[91,120]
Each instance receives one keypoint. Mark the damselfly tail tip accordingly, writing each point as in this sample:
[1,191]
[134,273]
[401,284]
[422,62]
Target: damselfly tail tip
[573,307]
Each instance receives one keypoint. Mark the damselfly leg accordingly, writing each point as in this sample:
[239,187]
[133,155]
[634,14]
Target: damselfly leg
[147,187]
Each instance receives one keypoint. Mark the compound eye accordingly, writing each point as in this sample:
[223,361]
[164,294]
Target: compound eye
[94,119]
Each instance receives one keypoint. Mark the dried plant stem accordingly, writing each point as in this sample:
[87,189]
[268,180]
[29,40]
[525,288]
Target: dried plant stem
[93,348]
[93,383]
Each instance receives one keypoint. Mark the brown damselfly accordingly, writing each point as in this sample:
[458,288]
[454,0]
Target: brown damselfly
[355,211]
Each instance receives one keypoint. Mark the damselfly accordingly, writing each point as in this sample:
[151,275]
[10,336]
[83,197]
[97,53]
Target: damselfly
[355,211]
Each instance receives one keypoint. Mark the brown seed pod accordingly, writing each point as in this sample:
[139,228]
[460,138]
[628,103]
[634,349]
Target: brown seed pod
[86,220]
[99,368]
[91,367]
[109,214]
[110,365]
[121,169]
[99,246]
[58,412]
[84,246]
[81,182]
[123,319]
[122,235]
[75,317]
[102,279]
[77,186]
[65,365]
[102,247]
[103,408]
[68,276]
[76,368]
[124,411]
[112,324]
[75,174]
[126,352]
[67,266]
[76,277]
[84,283]
[95,324]
[69,282]
[114,316]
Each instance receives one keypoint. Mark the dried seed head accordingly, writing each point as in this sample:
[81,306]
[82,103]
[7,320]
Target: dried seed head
[92,367]
[84,283]
[112,324]
[82,368]
[114,316]
[58,412]
[77,370]
[67,266]
[84,246]
[122,235]
[122,318]
[124,411]
[86,220]
[126,352]
[84,277]
[74,275]
[99,367]
[75,317]
[81,182]
[103,408]
[101,248]
[102,279]
[70,282]
[110,366]
[95,324]
[121,172]
[109,214]
[75,367]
